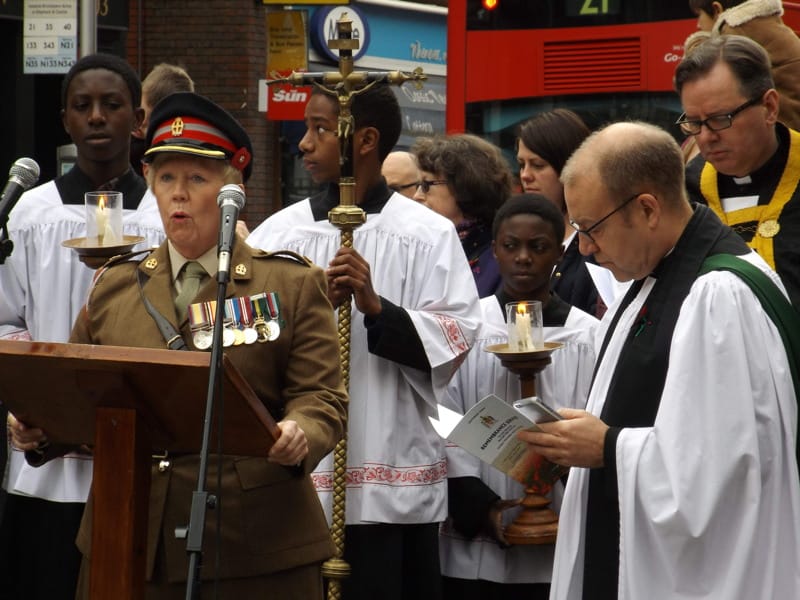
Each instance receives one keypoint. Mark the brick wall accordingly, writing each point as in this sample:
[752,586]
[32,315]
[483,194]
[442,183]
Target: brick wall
[221,43]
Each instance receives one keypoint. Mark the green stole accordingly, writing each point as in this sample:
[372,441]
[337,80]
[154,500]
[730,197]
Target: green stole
[774,303]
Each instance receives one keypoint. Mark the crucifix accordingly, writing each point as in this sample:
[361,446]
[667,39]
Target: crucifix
[344,85]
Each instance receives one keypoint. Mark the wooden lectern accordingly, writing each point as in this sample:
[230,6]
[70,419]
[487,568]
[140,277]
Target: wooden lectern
[126,403]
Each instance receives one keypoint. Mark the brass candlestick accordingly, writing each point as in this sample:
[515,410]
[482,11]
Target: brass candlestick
[95,256]
[537,523]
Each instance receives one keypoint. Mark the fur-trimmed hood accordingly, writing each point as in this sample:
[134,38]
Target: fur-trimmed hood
[747,11]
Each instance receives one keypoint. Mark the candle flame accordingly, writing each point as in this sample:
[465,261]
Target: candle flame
[522,308]
[101,203]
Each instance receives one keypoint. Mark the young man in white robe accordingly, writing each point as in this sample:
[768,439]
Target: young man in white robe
[415,315]
[688,481]
[42,288]
[477,563]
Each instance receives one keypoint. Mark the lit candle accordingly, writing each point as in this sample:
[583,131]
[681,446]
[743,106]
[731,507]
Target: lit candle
[101,218]
[522,327]
[104,217]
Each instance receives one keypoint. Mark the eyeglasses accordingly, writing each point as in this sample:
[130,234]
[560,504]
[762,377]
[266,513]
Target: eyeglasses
[714,123]
[588,231]
[425,184]
[405,186]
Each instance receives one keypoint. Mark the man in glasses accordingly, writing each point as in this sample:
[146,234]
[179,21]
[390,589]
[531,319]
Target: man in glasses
[750,165]
[684,481]
[401,173]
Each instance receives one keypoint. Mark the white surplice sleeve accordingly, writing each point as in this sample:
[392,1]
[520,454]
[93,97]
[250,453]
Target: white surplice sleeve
[709,497]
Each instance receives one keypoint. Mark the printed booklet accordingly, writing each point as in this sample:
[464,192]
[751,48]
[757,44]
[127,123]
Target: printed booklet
[488,432]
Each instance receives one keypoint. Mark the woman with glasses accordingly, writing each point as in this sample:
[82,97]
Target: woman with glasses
[466,179]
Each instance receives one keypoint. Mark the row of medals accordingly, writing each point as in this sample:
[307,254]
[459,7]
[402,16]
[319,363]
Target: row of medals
[248,319]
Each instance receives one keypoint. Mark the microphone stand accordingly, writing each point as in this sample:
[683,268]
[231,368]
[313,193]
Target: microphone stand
[201,499]
[6,245]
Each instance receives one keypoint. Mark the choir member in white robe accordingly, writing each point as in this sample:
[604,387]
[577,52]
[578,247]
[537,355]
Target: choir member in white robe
[42,288]
[527,234]
[43,285]
[689,486]
[409,259]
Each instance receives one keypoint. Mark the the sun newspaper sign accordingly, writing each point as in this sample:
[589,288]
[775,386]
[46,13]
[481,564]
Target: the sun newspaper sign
[284,102]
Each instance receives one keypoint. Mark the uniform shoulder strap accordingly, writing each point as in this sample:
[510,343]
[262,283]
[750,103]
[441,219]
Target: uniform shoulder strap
[303,260]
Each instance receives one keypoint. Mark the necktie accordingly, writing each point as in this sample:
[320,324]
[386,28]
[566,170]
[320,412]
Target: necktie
[191,277]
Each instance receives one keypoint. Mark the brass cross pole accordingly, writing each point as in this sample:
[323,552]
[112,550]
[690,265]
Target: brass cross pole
[344,84]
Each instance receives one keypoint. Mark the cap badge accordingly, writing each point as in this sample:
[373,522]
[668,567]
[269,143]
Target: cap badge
[177,127]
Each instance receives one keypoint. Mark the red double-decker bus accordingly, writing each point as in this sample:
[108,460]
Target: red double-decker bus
[605,59]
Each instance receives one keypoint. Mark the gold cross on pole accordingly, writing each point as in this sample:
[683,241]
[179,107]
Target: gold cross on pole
[345,84]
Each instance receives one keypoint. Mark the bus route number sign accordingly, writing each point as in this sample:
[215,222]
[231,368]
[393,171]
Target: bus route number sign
[591,8]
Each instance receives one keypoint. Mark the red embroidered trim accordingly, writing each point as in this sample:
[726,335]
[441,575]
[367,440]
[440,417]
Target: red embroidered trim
[378,474]
[452,333]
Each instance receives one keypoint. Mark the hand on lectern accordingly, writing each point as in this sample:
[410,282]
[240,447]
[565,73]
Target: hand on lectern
[291,447]
[23,437]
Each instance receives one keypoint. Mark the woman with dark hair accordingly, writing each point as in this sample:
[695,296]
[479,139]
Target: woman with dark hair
[544,144]
[466,179]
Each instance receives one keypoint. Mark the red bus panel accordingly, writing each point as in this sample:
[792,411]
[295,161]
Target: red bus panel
[585,60]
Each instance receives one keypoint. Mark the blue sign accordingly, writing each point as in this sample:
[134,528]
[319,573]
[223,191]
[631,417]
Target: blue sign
[323,28]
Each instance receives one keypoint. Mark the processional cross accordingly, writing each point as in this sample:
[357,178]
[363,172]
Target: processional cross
[344,84]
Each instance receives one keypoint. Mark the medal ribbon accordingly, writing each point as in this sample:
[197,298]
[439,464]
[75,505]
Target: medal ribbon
[198,316]
[246,310]
[274,305]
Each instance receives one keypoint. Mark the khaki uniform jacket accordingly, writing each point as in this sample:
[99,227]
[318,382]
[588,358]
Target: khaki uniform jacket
[271,517]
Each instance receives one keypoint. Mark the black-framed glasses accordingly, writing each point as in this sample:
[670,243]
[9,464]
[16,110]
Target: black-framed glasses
[425,184]
[715,122]
[588,231]
[405,186]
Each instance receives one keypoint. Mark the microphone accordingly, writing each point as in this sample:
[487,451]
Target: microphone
[230,201]
[23,175]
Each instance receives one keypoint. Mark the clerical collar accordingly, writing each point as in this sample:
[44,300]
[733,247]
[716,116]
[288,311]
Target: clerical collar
[762,181]
[375,199]
[75,183]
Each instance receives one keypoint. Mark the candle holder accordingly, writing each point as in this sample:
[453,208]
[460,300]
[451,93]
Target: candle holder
[104,217]
[94,256]
[537,523]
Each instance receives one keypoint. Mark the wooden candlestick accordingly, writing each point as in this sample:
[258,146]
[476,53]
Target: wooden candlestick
[537,523]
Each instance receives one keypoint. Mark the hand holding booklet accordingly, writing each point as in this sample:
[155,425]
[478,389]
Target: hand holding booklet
[488,432]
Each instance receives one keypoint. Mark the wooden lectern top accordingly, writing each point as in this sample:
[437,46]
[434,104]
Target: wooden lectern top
[57,387]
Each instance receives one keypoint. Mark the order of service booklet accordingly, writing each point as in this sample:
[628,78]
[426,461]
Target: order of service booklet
[488,431]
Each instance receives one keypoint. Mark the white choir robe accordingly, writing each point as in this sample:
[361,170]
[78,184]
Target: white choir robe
[396,466]
[709,496]
[562,384]
[43,286]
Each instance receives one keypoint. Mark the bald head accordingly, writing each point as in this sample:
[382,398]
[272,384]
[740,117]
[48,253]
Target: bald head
[401,172]
[628,157]
[624,189]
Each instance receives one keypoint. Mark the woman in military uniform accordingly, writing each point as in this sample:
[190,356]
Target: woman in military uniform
[273,535]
